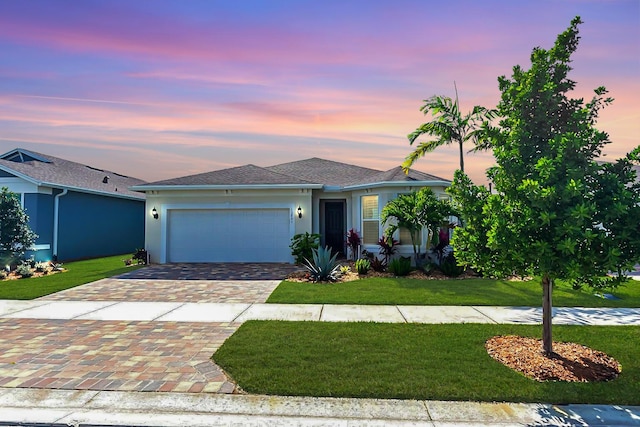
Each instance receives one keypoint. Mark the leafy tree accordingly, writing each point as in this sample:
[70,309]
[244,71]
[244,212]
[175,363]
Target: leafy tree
[416,211]
[556,212]
[448,126]
[15,234]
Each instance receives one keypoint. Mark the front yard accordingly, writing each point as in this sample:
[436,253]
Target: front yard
[420,361]
[76,273]
[405,291]
[410,361]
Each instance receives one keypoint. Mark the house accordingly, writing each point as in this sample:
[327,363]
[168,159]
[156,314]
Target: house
[250,213]
[77,211]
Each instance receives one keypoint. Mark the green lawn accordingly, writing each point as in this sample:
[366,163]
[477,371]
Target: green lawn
[410,361]
[403,291]
[77,273]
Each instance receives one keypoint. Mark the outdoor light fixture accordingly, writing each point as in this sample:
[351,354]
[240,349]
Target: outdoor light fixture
[154,213]
[299,212]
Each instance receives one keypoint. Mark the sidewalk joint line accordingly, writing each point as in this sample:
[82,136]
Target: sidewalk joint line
[401,314]
[155,319]
[92,311]
[483,314]
[242,312]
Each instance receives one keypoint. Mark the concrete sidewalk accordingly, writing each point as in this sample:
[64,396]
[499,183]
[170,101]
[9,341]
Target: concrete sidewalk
[74,408]
[241,312]
[51,406]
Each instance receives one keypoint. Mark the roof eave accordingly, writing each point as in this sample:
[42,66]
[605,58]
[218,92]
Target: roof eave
[398,184]
[144,188]
[20,175]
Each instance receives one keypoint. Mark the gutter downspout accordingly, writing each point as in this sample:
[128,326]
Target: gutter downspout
[56,208]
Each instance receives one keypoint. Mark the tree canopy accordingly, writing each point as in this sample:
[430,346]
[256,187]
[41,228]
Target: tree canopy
[556,211]
[15,234]
[448,126]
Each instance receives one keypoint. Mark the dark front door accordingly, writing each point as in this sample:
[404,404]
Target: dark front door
[334,224]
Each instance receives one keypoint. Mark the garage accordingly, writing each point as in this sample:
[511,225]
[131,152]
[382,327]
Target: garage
[229,235]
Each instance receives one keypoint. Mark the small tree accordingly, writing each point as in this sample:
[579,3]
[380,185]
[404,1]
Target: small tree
[556,212]
[414,212]
[15,235]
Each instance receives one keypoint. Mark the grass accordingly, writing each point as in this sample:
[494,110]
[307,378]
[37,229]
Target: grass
[404,291]
[77,273]
[410,361]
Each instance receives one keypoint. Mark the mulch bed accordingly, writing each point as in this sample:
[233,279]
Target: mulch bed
[569,362]
[303,276]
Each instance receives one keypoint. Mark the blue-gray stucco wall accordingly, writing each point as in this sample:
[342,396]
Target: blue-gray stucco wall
[39,208]
[92,226]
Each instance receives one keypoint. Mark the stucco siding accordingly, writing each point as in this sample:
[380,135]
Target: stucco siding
[93,226]
[166,201]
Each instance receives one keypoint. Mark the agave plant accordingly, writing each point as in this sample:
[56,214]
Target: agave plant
[324,267]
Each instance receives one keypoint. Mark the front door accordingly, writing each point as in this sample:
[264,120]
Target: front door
[334,226]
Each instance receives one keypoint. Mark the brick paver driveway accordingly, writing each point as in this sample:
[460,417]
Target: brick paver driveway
[134,355]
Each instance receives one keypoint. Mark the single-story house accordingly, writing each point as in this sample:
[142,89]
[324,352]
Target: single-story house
[77,211]
[251,213]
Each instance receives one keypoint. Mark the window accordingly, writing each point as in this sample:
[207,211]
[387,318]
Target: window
[370,220]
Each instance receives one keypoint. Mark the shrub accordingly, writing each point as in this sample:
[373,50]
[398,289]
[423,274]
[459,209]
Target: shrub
[41,267]
[3,274]
[302,246]
[363,265]
[353,242]
[429,267]
[378,265]
[449,266]
[388,247]
[324,267]
[345,269]
[25,271]
[140,256]
[400,266]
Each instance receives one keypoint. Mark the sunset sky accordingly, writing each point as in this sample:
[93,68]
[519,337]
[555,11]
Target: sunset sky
[160,89]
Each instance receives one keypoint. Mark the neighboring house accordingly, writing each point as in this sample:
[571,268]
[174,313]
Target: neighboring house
[77,211]
[250,213]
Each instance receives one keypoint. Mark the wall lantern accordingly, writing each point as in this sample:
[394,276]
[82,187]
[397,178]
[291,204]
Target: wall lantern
[154,213]
[299,212]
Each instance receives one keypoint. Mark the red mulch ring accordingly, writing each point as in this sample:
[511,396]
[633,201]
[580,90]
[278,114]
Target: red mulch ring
[569,362]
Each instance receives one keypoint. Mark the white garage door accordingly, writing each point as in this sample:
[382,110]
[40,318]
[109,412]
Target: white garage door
[229,235]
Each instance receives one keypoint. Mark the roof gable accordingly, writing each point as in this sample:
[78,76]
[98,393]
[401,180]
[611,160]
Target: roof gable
[20,155]
[49,171]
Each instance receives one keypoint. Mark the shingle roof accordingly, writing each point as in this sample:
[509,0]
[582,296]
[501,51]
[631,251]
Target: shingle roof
[55,172]
[397,175]
[324,171]
[241,175]
[313,172]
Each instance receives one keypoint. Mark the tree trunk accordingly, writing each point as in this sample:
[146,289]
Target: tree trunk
[547,341]
[461,157]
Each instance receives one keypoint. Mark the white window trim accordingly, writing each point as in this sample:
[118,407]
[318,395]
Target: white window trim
[363,220]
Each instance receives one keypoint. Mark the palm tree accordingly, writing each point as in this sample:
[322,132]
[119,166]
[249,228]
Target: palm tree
[416,211]
[448,125]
